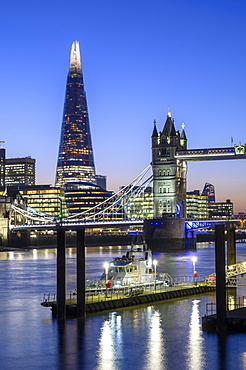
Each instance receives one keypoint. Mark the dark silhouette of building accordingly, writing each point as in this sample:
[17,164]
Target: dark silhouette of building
[101,180]
[75,158]
[2,164]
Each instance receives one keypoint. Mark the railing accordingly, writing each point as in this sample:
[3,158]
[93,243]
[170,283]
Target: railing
[71,297]
[98,294]
[240,303]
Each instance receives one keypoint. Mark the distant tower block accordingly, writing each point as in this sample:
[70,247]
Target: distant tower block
[169,173]
[75,158]
[209,191]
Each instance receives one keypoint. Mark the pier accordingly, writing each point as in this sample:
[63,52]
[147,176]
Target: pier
[235,320]
[127,297]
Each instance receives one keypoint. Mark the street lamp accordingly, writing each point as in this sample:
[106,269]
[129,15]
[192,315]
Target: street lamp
[106,266]
[194,259]
[155,263]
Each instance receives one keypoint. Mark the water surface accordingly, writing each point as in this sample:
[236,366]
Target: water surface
[165,335]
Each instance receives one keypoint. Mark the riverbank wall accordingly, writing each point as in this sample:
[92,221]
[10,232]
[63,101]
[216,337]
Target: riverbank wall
[49,241]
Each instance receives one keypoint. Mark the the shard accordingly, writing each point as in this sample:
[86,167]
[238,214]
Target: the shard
[75,158]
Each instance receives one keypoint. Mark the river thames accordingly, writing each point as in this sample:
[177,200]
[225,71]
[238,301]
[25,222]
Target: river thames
[165,335]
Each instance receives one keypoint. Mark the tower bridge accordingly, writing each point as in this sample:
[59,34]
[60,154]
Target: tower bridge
[169,226]
[170,157]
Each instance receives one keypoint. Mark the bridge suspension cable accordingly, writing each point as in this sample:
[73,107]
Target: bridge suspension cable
[32,214]
[112,206]
[118,201]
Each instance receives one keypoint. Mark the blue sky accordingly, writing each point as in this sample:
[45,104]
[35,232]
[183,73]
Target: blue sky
[139,57]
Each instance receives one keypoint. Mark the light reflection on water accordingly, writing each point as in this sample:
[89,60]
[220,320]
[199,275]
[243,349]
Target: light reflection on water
[155,351]
[195,339]
[106,352]
[165,335]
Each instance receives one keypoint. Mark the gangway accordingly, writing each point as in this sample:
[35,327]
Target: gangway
[232,273]
[235,270]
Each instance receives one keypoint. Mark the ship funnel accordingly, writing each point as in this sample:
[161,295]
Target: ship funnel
[148,258]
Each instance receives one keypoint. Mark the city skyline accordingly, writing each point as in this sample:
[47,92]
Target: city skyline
[139,58]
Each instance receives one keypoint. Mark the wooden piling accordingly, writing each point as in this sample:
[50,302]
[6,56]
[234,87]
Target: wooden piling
[231,246]
[220,277]
[61,273]
[81,272]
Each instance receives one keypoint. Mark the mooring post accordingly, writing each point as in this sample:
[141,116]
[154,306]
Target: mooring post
[231,260]
[61,273]
[81,272]
[220,277]
[231,246]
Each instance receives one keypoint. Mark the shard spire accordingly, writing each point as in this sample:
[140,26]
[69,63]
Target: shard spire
[75,157]
[75,60]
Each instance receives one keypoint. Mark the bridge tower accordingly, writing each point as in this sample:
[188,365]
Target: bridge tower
[166,231]
[169,173]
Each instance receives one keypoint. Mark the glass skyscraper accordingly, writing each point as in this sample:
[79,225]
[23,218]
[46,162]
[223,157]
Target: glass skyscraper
[209,191]
[75,158]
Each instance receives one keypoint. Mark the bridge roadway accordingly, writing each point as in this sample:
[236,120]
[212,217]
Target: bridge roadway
[212,154]
[77,225]
[190,224]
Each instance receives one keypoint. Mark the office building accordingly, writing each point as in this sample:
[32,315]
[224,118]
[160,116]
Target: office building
[43,198]
[209,191]
[196,205]
[221,209]
[101,180]
[75,157]
[141,207]
[20,171]
[83,196]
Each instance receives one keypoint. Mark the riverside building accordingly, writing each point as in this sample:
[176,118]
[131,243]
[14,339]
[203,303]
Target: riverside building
[196,205]
[20,171]
[83,196]
[141,207]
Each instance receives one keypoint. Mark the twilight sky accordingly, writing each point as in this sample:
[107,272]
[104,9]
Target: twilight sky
[139,57]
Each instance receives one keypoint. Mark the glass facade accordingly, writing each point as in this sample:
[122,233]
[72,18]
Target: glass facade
[75,158]
[83,196]
[142,206]
[196,205]
[209,191]
[44,198]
